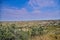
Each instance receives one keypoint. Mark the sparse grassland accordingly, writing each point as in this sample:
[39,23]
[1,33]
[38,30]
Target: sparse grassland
[30,30]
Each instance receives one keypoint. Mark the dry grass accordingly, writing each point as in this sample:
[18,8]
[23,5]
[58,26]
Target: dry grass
[49,36]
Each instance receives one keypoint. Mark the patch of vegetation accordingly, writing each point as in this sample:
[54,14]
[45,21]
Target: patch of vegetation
[27,31]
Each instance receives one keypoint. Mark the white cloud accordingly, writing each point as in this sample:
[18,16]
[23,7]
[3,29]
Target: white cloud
[36,4]
[19,14]
[14,13]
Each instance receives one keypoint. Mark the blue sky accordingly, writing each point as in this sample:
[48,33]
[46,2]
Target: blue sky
[18,10]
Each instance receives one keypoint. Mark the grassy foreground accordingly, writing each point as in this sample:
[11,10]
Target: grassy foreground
[30,30]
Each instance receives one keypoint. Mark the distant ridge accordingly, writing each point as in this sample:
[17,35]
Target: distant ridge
[32,21]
